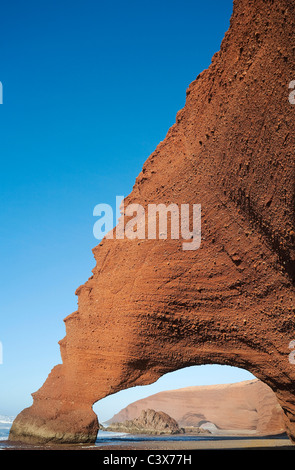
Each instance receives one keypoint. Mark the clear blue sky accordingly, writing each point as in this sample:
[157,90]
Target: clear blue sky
[89,90]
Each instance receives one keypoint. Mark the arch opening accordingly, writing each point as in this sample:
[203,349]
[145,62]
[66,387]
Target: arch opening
[212,399]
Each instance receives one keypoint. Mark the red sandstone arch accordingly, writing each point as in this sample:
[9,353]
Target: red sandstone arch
[150,307]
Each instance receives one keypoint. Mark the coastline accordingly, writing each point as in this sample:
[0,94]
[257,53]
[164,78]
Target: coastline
[280,442]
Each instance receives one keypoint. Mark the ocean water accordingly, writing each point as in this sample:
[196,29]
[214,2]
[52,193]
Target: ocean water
[105,437]
[5,425]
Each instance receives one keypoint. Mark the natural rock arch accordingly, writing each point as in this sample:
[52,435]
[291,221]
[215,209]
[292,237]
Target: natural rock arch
[151,307]
[123,405]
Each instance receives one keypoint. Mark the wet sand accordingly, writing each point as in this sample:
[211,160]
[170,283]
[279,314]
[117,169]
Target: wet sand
[279,444]
[222,443]
[219,443]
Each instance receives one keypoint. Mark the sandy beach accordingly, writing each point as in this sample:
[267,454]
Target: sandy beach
[227,444]
[218,443]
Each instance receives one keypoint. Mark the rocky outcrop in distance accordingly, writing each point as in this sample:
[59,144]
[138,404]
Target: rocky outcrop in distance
[148,422]
[151,307]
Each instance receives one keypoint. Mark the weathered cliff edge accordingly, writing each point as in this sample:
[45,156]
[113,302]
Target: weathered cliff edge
[150,307]
[244,406]
[148,422]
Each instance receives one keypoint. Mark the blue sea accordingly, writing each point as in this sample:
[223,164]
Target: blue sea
[5,425]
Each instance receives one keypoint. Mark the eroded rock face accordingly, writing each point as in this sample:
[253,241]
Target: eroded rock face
[148,422]
[150,307]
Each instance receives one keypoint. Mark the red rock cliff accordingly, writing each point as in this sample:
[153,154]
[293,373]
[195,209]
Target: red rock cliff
[150,307]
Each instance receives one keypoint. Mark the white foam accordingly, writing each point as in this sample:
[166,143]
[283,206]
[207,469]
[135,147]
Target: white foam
[107,434]
[6,419]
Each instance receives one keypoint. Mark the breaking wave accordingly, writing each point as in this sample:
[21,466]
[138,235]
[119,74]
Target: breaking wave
[5,425]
